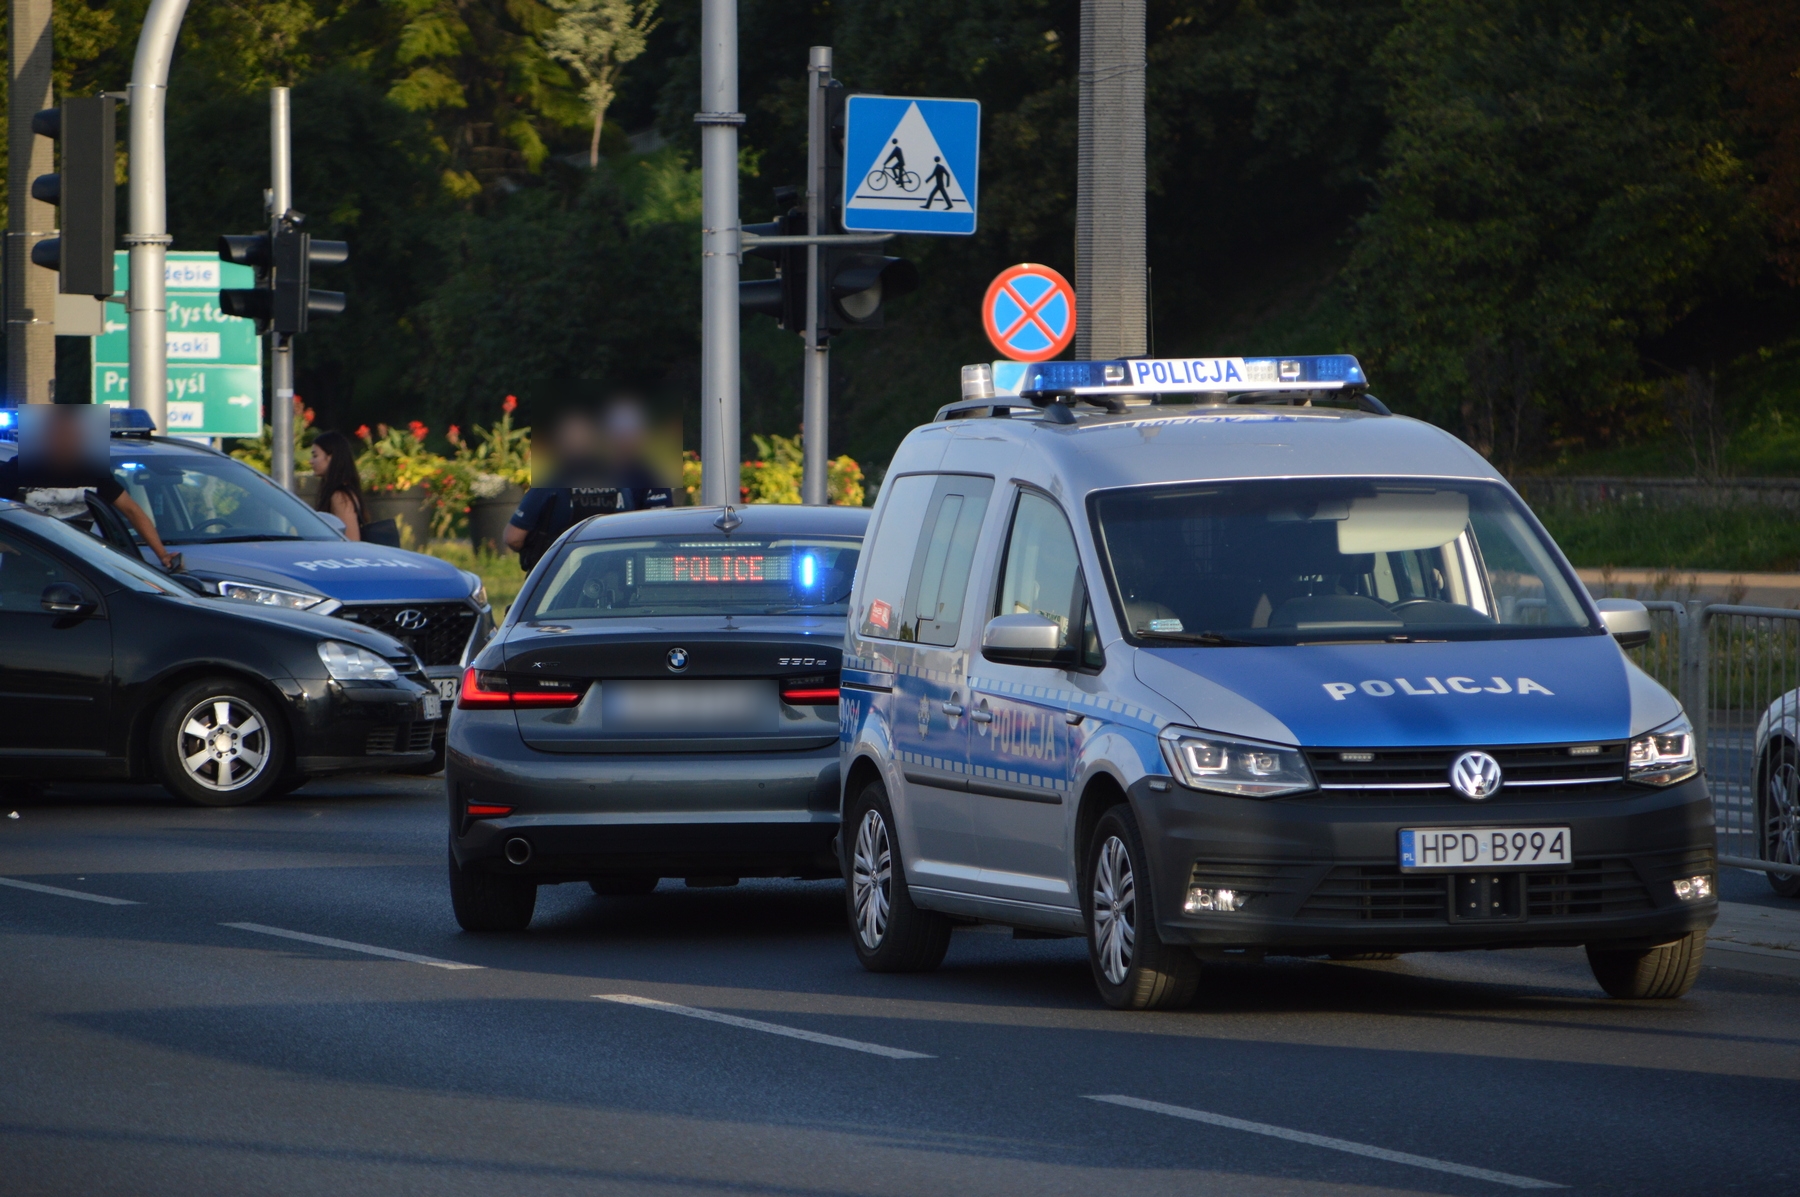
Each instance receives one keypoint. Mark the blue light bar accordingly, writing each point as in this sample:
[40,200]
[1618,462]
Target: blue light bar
[1181,375]
[132,419]
[9,424]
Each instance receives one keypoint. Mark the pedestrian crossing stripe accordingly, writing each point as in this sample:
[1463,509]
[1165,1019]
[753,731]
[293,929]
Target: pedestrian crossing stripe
[911,165]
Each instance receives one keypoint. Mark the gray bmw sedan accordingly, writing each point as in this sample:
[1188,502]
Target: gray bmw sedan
[661,701]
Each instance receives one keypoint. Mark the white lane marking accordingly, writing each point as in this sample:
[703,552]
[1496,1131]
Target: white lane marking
[346,945]
[751,1024]
[1295,1136]
[35,888]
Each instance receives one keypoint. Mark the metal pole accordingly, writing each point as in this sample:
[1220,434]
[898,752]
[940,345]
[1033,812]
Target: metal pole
[30,290]
[718,120]
[1110,280]
[815,418]
[148,235]
[281,348]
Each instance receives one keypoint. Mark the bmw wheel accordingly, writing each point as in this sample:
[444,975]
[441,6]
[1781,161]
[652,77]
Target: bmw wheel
[219,743]
[484,901]
[1132,966]
[890,933]
[1778,812]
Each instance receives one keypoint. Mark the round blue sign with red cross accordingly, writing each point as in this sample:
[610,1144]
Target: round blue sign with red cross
[1029,313]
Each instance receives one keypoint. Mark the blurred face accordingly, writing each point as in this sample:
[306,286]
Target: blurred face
[320,461]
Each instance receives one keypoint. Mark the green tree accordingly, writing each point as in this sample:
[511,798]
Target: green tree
[595,39]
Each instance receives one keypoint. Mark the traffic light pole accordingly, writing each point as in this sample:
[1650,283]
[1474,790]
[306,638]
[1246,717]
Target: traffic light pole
[719,373]
[281,346]
[147,235]
[815,417]
[30,293]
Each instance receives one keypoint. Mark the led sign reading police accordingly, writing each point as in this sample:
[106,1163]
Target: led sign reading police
[717,567]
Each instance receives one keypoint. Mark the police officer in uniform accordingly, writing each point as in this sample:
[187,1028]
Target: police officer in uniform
[590,479]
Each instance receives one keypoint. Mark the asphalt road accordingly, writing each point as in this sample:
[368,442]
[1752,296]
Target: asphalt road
[174,1041]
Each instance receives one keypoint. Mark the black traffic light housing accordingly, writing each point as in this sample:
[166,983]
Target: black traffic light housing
[283,297]
[858,283]
[784,296]
[83,189]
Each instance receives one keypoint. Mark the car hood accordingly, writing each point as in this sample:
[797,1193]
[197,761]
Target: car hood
[283,622]
[348,571]
[1404,695]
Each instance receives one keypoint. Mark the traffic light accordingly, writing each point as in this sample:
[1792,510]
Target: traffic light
[784,296]
[283,297]
[857,284]
[83,191]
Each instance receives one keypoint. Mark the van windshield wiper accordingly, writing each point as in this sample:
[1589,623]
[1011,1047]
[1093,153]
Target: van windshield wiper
[1211,639]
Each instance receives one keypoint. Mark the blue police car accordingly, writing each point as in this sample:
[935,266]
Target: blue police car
[1206,659]
[243,537]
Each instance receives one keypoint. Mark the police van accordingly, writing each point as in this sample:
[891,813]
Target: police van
[1217,658]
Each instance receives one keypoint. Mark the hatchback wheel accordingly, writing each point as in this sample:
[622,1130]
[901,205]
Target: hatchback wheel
[1667,971]
[890,933]
[1778,812]
[218,743]
[1132,966]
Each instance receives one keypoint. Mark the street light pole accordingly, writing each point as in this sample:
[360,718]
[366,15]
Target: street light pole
[1111,284]
[147,234]
[281,347]
[719,374]
[815,418]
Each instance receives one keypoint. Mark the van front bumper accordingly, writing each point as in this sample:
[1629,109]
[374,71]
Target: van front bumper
[1320,873]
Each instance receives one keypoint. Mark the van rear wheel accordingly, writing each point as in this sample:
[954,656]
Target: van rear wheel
[1666,971]
[890,933]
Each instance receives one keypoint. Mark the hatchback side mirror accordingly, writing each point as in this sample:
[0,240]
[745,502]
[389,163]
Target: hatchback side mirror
[61,598]
[1627,619]
[1023,640]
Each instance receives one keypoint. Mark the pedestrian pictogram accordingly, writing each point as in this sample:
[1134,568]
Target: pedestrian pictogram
[910,165]
[1029,313]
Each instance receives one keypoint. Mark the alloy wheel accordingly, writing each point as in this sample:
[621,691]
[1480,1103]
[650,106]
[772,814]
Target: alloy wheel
[1781,808]
[871,872]
[1115,909]
[222,744]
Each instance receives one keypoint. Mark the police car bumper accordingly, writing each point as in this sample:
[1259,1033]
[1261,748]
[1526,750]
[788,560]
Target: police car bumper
[702,814]
[1314,873]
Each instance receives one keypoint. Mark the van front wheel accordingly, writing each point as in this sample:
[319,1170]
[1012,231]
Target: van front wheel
[1667,971]
[1133,967]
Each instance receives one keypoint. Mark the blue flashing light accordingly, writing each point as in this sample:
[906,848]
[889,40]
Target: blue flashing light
[131,419]
[808,571]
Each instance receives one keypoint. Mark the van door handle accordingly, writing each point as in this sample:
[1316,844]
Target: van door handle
[952,709]
[983,716]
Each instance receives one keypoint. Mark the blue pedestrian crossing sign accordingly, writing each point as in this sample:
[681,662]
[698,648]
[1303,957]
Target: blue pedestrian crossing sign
[910,165]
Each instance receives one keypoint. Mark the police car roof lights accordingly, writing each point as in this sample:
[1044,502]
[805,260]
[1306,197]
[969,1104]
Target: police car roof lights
[132,421]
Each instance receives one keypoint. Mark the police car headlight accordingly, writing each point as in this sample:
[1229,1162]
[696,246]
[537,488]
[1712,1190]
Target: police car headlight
[477,588]
[348,663]
[1244,768]
[270,596]
[1664,756]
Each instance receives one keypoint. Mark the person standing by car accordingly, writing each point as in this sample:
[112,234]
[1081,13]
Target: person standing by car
[340,487]
[599,471]
[52,456]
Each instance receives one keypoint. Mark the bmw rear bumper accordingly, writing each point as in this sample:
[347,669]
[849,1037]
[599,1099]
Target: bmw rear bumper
[1322,874]
[731,814]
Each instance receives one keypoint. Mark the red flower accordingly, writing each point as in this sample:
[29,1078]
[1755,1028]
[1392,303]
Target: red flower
[363,431]
[419,430]
[306,415]
[299,403]
[455,434]
[510,404]
[381,430]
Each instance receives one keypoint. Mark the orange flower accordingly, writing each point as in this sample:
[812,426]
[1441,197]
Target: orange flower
[510,404]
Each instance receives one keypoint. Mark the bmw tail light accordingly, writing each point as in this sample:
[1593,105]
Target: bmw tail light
[489,689]
[482,690]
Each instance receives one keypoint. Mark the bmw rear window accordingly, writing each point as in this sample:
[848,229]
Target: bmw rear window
[700,575]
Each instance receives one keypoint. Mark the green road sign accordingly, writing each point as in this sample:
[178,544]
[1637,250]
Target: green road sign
[215,361]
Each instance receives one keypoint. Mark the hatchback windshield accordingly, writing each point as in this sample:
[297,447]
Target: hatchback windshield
[1331,560]
[201,499]
[700,576]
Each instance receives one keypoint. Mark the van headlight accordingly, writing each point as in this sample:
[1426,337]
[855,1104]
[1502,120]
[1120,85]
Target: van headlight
[1244,768]
[270,596]
[1664,756]
[348,663]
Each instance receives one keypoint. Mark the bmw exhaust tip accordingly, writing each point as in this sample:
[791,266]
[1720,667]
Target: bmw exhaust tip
[518,851]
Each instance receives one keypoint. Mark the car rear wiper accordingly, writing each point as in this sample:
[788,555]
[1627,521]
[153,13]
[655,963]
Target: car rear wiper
[1211,639]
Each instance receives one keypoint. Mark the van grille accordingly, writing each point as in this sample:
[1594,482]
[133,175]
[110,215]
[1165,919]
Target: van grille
[438,632]
[1424,772]
[1609,886]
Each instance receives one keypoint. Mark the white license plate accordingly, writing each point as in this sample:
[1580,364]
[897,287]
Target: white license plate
[434,707]
[1462,849]
[688,707]
[446,687]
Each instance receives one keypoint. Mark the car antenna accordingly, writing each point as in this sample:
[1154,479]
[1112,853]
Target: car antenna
[728,521]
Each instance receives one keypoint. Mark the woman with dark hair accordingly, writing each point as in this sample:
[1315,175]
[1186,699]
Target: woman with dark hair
[340,489]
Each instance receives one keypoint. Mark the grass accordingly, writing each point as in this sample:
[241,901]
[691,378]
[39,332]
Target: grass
[500,571]
[1747,539]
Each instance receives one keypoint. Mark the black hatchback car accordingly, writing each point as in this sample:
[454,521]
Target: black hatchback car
[111,669]
[661,701]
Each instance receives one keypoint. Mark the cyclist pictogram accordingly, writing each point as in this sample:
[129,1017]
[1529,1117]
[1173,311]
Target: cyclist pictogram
[1029,313]
[893,170]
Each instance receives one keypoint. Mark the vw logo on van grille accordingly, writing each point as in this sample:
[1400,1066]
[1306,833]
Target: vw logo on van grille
[678,660]
[1476,776]
[411,619]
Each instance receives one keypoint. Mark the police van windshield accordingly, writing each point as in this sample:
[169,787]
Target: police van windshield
[1329,561]
[699,575]
[202,499]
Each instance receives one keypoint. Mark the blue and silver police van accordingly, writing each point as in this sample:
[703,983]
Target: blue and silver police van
[1216,658]
[243,537]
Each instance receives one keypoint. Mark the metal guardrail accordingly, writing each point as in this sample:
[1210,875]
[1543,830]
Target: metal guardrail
[1733,668]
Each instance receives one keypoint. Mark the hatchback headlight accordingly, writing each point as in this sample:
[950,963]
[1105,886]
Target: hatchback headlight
[270,596]
[1244,768]
[1664,756]
[348,663]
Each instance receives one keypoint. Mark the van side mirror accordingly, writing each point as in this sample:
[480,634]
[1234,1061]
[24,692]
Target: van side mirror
[61,598]
[1627,619]
[1024,640]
